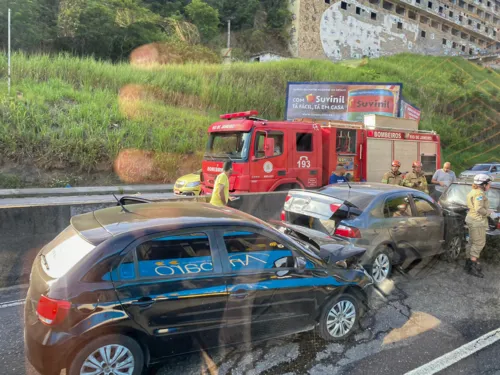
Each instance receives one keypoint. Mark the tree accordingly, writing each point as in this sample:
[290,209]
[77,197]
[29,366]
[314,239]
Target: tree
[204,17]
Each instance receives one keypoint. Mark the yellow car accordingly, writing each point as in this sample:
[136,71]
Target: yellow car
[189,184]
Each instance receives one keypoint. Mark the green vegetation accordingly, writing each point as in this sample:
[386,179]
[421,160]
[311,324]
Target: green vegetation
[77,114]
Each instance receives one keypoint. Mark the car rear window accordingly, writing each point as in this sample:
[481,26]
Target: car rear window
[360,200]
[64,252]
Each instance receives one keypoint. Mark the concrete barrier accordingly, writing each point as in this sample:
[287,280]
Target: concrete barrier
[25,230]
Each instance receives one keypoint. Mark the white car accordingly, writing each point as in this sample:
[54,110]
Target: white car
[491,169]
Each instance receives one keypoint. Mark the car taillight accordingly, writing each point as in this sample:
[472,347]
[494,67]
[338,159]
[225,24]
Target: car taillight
[334,207]
[288,197]
[51,311]
[283,216]
[498,225]
[345,231]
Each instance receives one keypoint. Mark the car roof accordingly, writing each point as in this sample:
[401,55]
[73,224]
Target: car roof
[371,188]
[495,185]
[163,215]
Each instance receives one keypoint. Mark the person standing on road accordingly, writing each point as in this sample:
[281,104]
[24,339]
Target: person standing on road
[477,222]
[416,179]
[338,176]
[393,177]
[443,178]
[220,195]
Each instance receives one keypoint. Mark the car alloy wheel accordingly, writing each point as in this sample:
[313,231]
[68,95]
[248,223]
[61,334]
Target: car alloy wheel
[454,248]
[381,267]
[341,319]
[109,360]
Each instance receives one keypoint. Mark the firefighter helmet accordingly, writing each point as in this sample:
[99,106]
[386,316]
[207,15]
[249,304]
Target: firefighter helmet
[482,179]
[396,163]
[416,164]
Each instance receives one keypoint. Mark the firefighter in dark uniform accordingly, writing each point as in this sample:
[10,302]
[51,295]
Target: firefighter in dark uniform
[393,177]
[416,179]
[477,222]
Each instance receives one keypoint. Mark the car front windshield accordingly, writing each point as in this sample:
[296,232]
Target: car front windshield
[481,167]
[457,194]
[231,145]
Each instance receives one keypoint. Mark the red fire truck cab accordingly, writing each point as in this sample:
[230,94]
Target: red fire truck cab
[280,155]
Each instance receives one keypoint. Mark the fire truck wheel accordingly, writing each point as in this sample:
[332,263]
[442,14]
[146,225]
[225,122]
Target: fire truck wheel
[380,265]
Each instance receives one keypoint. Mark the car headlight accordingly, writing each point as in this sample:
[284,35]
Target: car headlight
[193,184]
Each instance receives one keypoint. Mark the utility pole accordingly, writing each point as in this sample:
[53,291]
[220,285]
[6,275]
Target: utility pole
[228,33]
[8,53]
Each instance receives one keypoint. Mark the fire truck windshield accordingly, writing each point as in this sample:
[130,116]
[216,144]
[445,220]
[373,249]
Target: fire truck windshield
[228,145]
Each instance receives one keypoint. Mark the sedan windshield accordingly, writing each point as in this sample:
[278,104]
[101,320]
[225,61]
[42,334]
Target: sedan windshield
[231,145]
[481,167]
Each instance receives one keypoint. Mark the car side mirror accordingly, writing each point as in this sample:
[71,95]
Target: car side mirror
[300,264]
[269,147]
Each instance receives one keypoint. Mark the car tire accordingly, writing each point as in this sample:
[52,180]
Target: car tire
[453,248]
[345,307]
[380,265]
[128,347]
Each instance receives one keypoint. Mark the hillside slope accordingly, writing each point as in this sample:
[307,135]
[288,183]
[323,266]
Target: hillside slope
[74,116]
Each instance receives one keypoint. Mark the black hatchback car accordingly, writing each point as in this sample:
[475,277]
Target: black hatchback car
[454,204]
[125,287]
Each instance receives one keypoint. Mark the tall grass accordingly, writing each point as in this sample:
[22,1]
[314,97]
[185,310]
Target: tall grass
[80,113]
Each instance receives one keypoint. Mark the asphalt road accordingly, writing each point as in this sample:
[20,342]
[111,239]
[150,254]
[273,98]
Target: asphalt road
[427,312]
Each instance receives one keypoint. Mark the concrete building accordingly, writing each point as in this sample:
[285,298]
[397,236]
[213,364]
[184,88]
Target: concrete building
[347,29]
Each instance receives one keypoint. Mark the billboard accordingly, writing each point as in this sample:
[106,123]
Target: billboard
[409,111]
[343,101]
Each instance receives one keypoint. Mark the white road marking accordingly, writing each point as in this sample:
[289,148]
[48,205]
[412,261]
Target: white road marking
[457,355]
[18,302]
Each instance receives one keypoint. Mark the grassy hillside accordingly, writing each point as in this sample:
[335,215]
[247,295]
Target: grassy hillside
[76,115]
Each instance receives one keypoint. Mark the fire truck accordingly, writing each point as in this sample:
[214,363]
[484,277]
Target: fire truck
[281,155]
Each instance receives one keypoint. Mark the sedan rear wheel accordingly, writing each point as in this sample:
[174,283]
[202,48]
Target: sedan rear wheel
[380,266]
[109,355]
[339,318]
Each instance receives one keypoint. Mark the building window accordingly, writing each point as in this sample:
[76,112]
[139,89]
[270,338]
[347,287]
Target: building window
[470,8]
[358,11]
[487,16]
[470,51]
[424,20]
[454,45]
[455,32]
[429,4]
[327,1]
[412,15]
[441,9]
[343,5]
[451,14]
[461,4]
[418,1]
[480,13]
[494,33]
[435,24]
[445,28]
[460,18]
[464,36]
[463,48]
[400,10]
[387,5]
[373,16]
[478,26]
[400,25]
[444,42]
[469,22]
[486,29]
[488,3]
[375,2]
[473,39]
[422,34]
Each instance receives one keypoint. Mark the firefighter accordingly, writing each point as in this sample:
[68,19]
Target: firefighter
[393,177]
[402,211]
[477,222]
[416,179]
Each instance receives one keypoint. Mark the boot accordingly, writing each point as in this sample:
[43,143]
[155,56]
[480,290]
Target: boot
[474,271]
[468,264]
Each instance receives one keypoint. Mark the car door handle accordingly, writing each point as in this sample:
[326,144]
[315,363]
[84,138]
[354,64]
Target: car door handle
[143,302]
[241,294]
